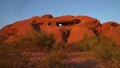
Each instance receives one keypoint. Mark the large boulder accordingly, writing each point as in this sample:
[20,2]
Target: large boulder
[112,30]
[89,21]
[18,29]
[47,16]
[78,33]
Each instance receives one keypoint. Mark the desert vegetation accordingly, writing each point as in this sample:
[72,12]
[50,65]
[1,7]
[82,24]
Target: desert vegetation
[15,55]
[103,49]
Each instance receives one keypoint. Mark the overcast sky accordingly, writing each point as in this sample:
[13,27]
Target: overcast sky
[15,10]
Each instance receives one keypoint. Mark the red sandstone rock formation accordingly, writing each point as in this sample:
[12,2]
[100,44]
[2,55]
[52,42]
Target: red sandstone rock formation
[13,31]
[111,29]
[89,21]
[67,28]
[78,33]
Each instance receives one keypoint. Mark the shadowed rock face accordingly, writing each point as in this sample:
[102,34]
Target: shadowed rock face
[70,29]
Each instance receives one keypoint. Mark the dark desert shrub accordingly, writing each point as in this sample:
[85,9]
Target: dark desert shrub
[42,40]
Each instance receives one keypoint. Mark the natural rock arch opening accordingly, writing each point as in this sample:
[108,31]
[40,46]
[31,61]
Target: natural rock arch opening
[60,24]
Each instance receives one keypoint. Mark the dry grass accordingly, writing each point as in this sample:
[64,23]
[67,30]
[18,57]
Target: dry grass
[102,49]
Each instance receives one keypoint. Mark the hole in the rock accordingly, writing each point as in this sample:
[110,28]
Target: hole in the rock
[49,23]
[59,24]
[77,21]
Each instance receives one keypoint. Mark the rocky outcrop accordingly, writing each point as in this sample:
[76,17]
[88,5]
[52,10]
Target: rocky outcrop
[89,21]
[16,30]
[112,30]
[47,16]
[67,28]
[78,33]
